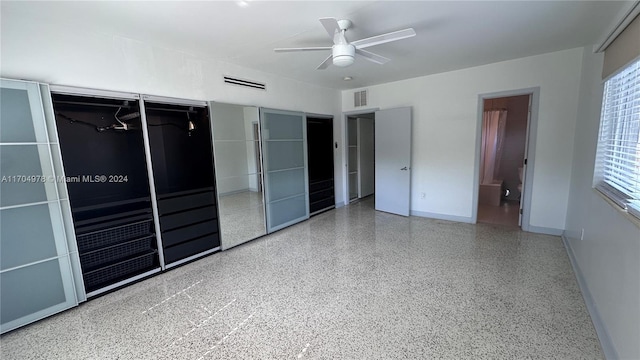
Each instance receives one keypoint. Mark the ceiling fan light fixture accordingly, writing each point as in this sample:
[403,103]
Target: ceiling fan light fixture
[343,54]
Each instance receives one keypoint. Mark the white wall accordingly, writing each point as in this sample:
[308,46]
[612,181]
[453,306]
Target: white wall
[608,256]
[445,119]
[55,53]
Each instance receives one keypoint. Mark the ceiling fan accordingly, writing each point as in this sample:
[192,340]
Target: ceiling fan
[343,52]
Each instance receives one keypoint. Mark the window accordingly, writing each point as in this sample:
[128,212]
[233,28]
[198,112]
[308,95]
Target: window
[617,172]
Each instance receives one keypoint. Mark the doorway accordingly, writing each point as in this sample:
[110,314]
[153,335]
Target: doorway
[360,156]
[378,158]
[504,131]
[320,164]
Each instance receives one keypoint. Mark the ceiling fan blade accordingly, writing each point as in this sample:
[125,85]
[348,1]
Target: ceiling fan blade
[384,38]
[325,63]
[302,49]
[372,57]
[331,25]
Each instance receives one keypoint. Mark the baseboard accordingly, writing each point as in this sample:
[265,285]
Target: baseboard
[339,204]
[544,230]
[603,335]
[455,218]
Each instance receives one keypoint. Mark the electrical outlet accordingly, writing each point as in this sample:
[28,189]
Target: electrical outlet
[423,195]
[582,235]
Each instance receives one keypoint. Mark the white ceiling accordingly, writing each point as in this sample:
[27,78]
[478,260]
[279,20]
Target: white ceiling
[450,34]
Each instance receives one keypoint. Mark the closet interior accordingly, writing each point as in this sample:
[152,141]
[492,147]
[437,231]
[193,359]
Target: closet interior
[183,174]
[361,160]
[320,162]
[104,159]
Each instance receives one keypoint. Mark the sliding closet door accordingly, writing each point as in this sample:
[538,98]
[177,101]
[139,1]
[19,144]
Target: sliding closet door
[285,167]
[35,271]
[238,173]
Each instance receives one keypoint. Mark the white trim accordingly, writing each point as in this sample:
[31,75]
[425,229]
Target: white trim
[424,214]
[319,116]
[25,143]
[70,90]
[29,204]
[192,257]
[32,263]
[123,282]
[173,101]
[152,183]
[606,344]
[339,204]
[322,210]
[68,243]
[544,230]
[626,17]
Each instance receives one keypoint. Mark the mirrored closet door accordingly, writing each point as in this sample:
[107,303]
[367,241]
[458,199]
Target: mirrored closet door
[236,134]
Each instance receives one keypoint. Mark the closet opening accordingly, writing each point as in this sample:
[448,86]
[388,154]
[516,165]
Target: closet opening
[503,159]
[320,164]
[360,156]
[183,171]
[103,152]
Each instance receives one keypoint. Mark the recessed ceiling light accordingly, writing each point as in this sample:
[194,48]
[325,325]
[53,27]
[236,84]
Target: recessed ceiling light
[347,78]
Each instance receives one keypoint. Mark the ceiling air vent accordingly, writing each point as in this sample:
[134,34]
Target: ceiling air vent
[360,98]
[245,83]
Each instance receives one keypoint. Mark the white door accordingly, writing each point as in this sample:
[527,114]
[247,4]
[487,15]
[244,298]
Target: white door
[524,166]
[393,160]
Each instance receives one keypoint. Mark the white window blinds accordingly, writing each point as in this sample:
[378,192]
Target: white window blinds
[618,168]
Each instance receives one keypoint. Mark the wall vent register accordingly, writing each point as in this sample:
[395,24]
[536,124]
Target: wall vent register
[360,98]
[246,83]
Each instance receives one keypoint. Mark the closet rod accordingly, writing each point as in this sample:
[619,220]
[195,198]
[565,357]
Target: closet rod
[91,104]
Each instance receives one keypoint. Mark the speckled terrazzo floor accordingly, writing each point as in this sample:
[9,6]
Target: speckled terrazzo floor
[347,284]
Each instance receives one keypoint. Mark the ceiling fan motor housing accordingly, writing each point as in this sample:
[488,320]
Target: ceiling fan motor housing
[343,54]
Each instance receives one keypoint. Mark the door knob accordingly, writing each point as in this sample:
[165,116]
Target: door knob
[404,168]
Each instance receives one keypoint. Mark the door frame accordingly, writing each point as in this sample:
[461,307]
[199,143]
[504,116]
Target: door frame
[530,150]
[345,149]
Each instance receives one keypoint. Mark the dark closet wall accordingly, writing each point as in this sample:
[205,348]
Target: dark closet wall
[108,186]
[90,148]
[183,169]
[320,163]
